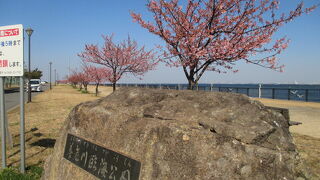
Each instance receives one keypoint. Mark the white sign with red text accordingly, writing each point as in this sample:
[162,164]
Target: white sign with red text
[11,50]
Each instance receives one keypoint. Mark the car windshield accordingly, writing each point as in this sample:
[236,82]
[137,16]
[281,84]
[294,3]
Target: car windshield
[34,82]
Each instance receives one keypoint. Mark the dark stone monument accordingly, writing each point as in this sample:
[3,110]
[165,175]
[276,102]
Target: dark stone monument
[169,134]
[99,161]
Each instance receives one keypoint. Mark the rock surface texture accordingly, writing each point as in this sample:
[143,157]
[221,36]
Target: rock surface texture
[182,135]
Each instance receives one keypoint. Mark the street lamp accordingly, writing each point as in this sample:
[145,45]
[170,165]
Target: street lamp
[29,31]
[55,77]
[50,63]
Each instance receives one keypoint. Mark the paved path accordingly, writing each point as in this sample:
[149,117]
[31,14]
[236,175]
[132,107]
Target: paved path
[306,112]
[12,97]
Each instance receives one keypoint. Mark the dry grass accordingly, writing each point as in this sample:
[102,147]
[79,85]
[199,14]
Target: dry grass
[44,118]
[286,103]
[309,150]
[103,90]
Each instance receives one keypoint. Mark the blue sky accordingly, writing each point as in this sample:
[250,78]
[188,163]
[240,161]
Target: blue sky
[63,27]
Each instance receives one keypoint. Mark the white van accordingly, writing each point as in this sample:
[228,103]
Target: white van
[35,85]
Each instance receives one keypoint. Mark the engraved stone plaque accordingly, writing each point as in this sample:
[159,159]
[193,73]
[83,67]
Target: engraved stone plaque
[99,161]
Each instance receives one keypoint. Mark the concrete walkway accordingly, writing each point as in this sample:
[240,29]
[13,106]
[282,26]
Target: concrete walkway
[306,112]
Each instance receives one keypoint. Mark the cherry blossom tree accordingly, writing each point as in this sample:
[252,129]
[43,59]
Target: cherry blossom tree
[84,80]
[214,34]
[64,81]
[122,58]
[80,78]
[73,79]
[97,75]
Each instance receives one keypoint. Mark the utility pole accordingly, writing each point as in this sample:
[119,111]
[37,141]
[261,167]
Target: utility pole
[55,77]
[50,63]
[69,68]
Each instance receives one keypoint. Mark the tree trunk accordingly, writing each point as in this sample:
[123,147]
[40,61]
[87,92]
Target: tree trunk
[10,81]
[191,84]
[97,85]
[114,78]
[85,87]
[114,87]
[5,82]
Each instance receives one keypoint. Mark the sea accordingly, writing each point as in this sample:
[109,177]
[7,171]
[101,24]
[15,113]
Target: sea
[296,92]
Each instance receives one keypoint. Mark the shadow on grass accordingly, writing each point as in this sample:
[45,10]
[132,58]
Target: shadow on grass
[18,144]
[29,157]
[31,130]
[38,134]
[47,143]
[11,155]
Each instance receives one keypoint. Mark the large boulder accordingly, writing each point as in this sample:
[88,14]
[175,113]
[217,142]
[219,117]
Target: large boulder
[182,135]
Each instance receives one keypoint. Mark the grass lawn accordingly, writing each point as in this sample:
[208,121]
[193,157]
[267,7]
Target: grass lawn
[43,118]
[309,150]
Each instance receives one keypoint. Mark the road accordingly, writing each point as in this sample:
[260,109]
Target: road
[12,97]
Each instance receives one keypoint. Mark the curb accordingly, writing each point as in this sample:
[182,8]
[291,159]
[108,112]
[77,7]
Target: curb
[13,108]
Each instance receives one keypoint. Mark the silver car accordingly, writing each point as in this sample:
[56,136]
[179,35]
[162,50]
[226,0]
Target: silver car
[35,85]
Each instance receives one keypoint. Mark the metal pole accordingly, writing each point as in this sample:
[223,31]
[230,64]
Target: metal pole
[50,75]
[3,124]
[259,90]
[55,77]
[273,93]
[22,127]
[69,69]
[29,66]
[8,135]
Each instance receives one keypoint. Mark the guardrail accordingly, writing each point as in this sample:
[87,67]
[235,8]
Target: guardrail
[298,94]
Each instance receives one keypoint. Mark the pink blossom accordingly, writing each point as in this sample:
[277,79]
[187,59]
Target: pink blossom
[119,59]
[205,33]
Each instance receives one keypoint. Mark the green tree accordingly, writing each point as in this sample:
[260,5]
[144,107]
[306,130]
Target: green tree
[35,74]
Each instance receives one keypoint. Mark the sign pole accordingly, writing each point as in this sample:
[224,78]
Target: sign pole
[22,115]
[3,124]
[22,126]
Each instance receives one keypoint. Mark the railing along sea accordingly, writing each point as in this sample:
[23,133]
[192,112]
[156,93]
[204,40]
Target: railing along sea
[308,93]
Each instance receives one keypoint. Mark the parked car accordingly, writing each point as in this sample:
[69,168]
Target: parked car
[35,85]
